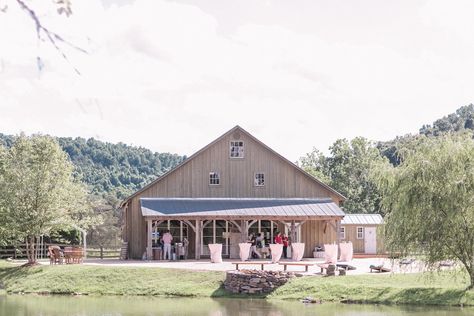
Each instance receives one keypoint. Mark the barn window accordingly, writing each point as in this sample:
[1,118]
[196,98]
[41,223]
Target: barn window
[214,178]
[360,232]
[259,180]
[343,233]
[237,149]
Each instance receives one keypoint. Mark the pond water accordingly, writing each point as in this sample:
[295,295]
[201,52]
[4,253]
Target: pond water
[29,305]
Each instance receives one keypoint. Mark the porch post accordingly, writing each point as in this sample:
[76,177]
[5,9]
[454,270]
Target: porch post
[293,233]
[198,240]
[338,231]
[149,252]
[244,231]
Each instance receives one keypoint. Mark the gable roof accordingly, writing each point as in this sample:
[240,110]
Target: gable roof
[240,129]
[233,207]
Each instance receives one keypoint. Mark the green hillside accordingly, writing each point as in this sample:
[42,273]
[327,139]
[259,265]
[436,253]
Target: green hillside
[112,169]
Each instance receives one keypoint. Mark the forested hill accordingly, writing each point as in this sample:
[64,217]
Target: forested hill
[113,169]
[459,121]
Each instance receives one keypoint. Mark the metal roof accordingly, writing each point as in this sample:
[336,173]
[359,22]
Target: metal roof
[362,219]
[229,207]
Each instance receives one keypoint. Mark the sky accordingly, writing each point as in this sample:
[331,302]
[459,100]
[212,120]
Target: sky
[172,76]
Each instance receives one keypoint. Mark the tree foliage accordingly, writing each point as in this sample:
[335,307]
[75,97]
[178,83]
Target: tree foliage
[429,198]
[347,169]
[111,172]
[461,120]
[38,193]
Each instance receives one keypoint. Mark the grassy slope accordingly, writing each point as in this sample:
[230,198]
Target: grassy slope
[442,289]
[431,288]
[69,279]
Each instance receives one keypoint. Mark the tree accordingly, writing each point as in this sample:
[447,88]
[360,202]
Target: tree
[348,170]
[38,194]
[429,198]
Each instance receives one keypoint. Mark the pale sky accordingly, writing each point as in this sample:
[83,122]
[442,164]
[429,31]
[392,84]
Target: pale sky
[173,75]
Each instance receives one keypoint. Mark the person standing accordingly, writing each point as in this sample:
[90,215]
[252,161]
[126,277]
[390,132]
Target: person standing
[284,240]
[167,239]
[253,248]
[278,238]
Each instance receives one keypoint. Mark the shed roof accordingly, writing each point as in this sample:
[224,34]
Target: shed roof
[362,219]
[242,207]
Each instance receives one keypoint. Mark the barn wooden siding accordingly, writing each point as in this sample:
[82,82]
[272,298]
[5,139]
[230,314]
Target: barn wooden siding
[191,179]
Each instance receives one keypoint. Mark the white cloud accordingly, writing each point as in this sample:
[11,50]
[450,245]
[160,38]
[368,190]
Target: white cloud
[169,77]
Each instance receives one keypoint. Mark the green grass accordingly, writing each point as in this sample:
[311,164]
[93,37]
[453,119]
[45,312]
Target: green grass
[445,288]
[90,280]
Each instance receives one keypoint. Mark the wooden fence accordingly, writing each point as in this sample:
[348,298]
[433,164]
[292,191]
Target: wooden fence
[19,252]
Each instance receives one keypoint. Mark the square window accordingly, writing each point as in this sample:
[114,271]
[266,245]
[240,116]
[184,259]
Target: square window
[259,179]
[360,232]
[343,233]
[214,178]
[237,149]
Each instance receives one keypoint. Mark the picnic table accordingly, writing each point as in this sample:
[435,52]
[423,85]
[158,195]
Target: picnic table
[73,254]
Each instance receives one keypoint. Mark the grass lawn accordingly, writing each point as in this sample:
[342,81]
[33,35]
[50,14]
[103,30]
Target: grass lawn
[437,288]
[71,279]
[444,288]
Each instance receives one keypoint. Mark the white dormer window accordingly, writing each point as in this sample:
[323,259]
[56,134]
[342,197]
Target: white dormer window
[259,179]
[236,149]
[214,178]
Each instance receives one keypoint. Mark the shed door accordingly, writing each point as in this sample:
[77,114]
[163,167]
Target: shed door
[370,240]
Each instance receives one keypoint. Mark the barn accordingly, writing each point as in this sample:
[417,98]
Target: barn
[234,186]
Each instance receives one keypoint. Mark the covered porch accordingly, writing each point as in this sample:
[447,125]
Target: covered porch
[227,221]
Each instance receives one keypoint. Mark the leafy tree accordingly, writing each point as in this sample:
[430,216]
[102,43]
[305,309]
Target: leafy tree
[38,194]
[348,170]
[429,198]
[462,119]
[316,164]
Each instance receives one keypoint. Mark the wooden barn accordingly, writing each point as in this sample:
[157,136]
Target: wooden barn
[232,187]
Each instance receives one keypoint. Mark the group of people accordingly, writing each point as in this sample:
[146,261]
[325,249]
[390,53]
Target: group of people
[164,242]
[258,242]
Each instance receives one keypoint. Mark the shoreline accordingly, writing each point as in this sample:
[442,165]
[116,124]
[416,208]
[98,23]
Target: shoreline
[442,288]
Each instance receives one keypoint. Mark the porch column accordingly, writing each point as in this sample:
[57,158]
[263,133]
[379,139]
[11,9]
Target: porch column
[338,231]
[244,234]
[293,233]
[149,252]
[198,240]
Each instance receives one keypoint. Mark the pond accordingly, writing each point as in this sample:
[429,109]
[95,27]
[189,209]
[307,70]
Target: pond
[29,305]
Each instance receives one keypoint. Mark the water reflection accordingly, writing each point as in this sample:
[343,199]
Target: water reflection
[141,306]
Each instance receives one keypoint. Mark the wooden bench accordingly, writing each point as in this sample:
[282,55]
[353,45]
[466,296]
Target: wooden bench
[262,264]
[302,264]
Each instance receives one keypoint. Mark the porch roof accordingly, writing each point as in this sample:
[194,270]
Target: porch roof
[239,208]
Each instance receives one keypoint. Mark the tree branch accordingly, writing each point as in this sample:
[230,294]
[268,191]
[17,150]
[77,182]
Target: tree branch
[53,37]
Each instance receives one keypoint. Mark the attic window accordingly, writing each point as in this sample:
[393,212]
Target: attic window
[236,149]
[214,178]
[259,180]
